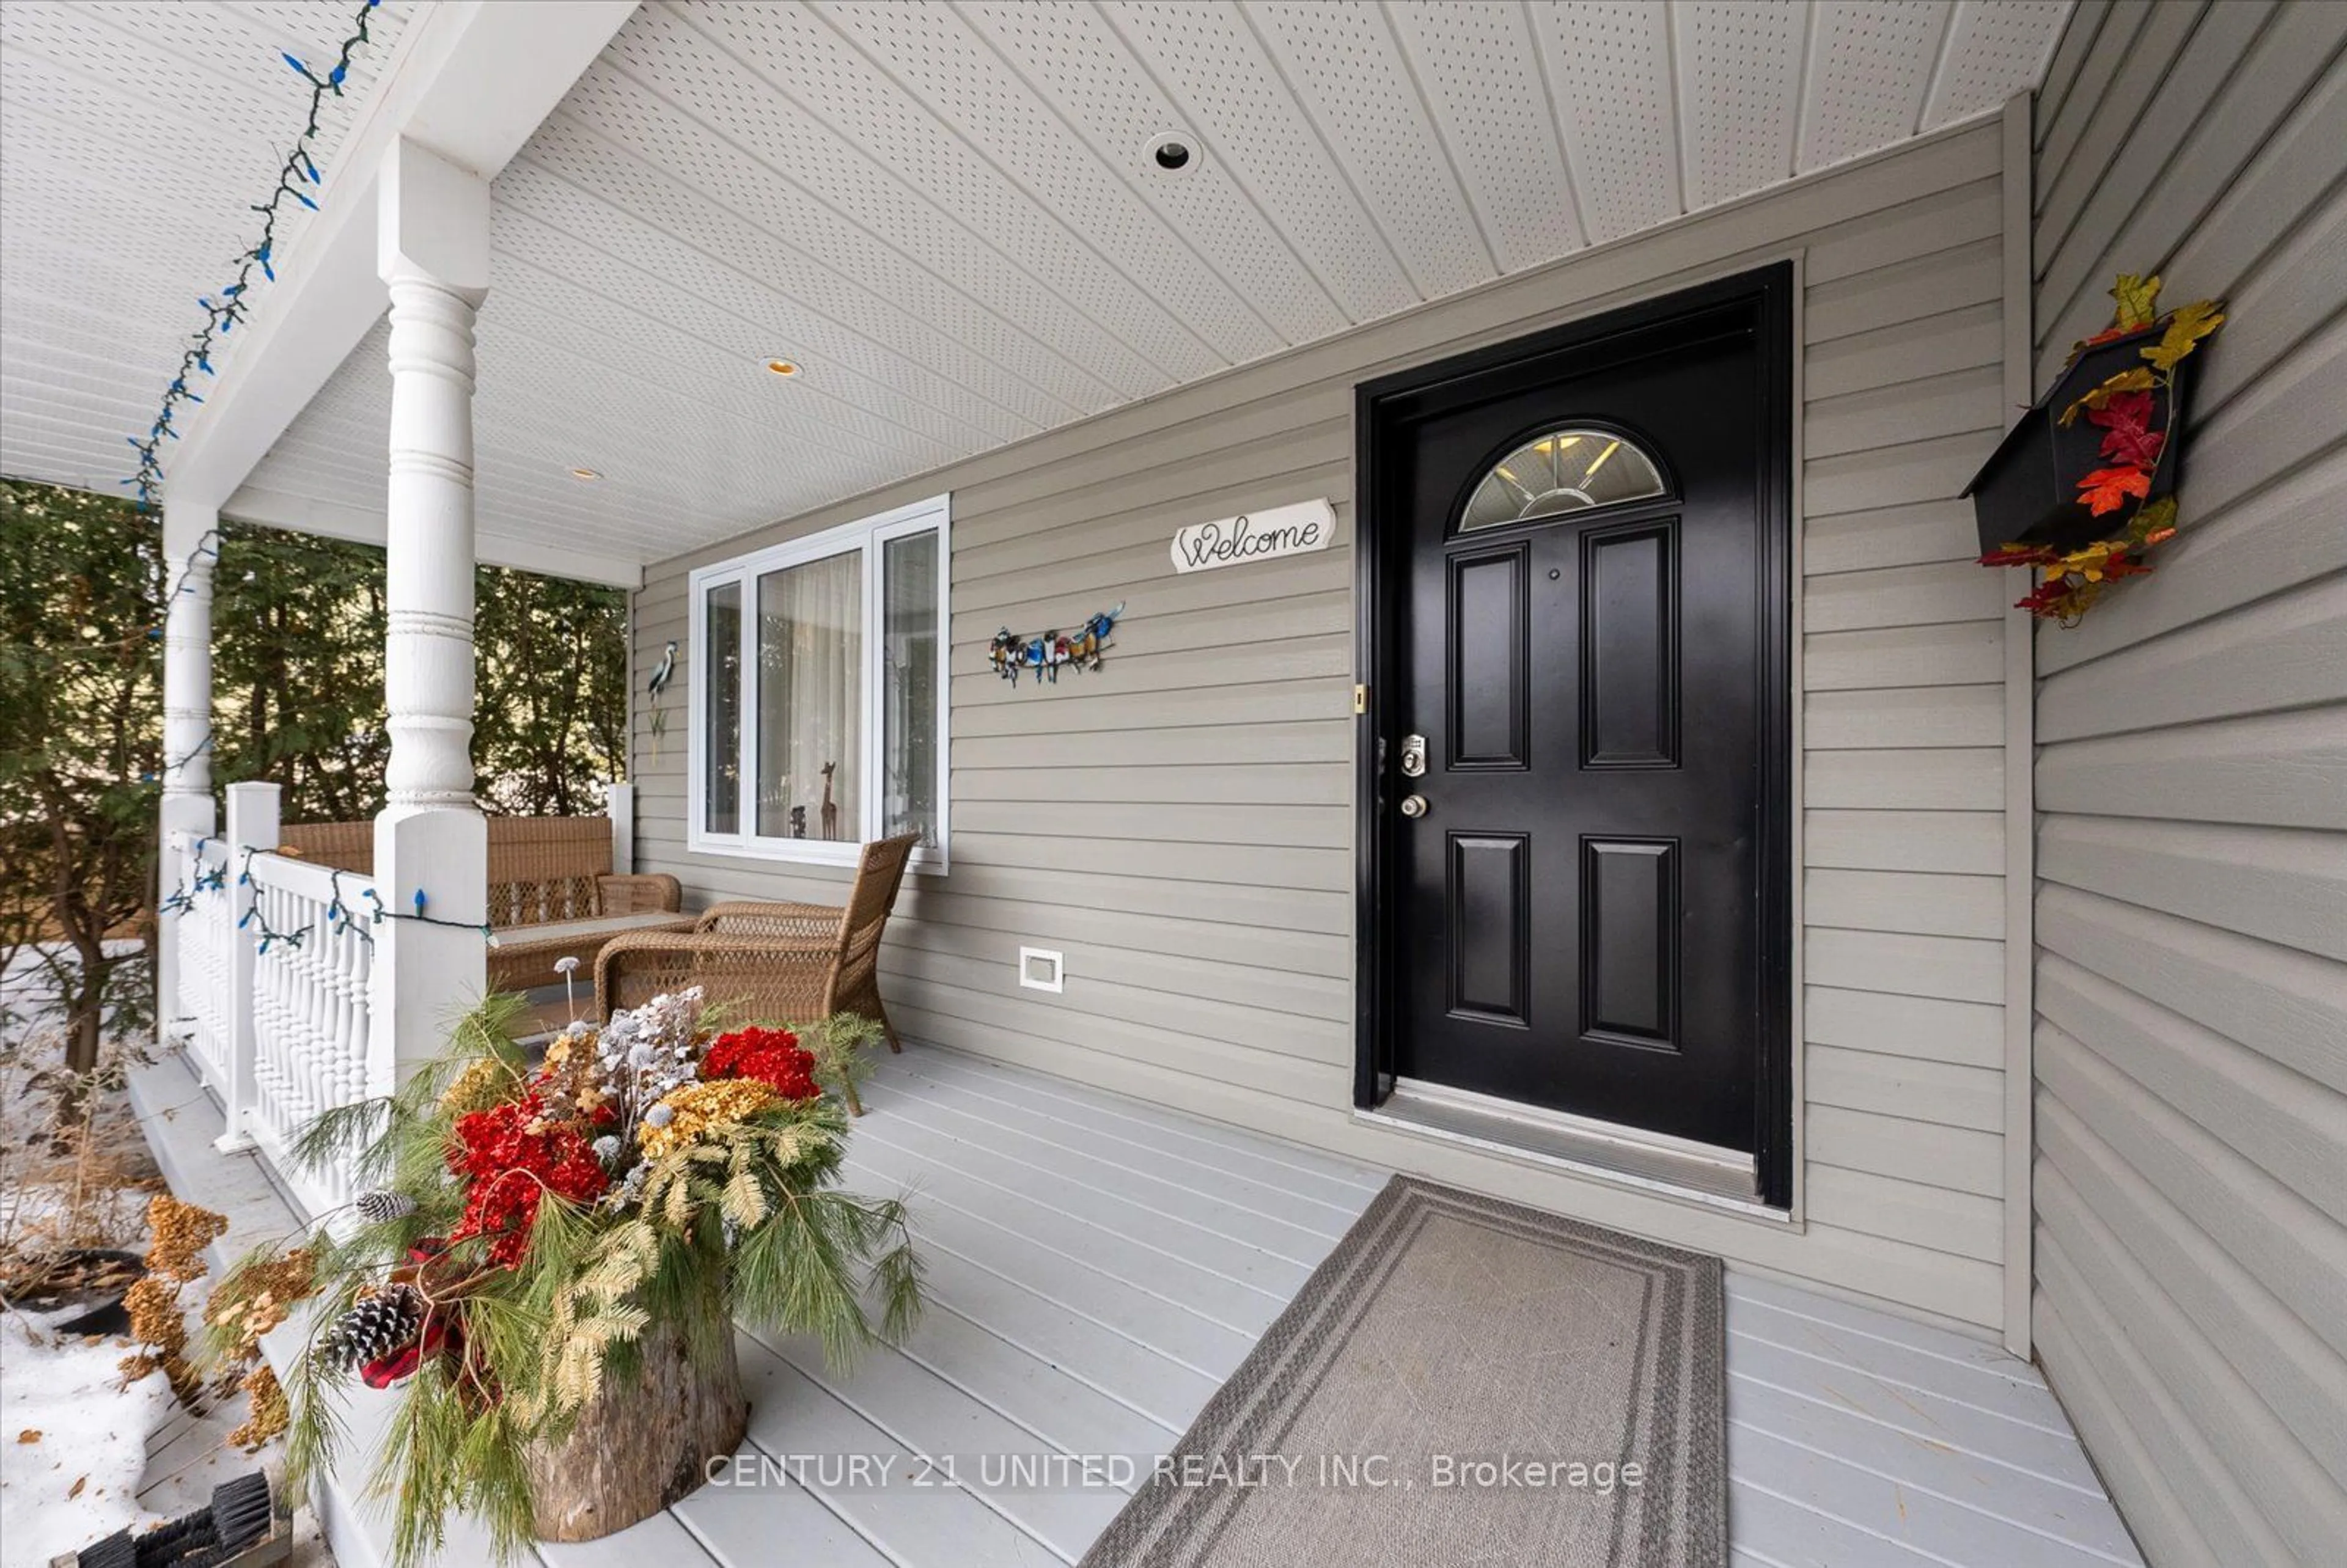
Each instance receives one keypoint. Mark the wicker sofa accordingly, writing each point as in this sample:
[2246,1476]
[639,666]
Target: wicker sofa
[552,891]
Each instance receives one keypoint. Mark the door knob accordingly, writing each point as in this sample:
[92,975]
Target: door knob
[1413,805]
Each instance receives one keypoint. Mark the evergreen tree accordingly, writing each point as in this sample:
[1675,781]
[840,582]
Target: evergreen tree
[81,668]
[298,625]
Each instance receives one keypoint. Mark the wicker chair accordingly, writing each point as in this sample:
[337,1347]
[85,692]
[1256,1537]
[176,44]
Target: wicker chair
[791,963]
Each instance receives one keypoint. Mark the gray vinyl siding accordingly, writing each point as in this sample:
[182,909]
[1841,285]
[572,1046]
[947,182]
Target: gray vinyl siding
[2191,983]
[1180,823]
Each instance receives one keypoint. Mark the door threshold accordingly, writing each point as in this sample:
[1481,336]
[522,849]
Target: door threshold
[1674,1167]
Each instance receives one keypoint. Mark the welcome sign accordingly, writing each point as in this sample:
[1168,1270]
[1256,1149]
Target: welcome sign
[1295,529]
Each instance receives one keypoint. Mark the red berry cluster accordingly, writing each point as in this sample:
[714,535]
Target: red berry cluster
[513,1156]
[772,1056]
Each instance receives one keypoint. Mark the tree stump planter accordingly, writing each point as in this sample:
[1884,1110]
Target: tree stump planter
[643,1441]
[566,1364]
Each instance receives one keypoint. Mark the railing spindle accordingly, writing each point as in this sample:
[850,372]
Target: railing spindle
[309,1015]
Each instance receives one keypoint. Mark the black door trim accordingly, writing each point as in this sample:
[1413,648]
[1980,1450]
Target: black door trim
[1378,582]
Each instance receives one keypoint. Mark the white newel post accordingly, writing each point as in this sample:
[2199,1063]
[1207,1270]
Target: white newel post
[252,824]
[434,240]
[188,538]
[619,806]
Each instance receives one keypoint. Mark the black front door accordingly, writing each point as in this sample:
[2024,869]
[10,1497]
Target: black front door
[1579,796]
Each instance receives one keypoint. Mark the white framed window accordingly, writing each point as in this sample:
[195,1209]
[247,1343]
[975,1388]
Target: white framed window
[818,693]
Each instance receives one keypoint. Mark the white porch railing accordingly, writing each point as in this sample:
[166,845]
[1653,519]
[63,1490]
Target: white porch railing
[274,960]
[205,931]
[280,981]
[312,956]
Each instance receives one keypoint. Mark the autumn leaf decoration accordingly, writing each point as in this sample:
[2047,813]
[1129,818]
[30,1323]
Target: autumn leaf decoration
[2139,301]
[2123,407]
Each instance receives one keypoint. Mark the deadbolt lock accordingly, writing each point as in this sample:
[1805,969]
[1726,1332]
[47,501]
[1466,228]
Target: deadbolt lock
[1413,805]
[1413,757]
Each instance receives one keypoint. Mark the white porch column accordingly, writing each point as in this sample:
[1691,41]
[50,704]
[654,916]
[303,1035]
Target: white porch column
[434,252]
[190,540]
[253,820]
[619,806]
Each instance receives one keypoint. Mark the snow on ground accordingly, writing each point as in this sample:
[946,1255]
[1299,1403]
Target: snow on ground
[29,988]
[73,1439]
[140,1455]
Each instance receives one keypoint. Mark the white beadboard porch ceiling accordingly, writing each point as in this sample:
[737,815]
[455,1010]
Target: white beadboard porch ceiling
[945,212]
[133,139]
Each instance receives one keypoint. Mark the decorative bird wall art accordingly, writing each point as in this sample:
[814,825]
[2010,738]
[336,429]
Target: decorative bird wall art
[662,676]
[1045,654]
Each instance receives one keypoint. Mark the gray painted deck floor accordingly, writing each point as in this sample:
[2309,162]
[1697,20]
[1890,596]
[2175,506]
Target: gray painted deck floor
[1098,1266]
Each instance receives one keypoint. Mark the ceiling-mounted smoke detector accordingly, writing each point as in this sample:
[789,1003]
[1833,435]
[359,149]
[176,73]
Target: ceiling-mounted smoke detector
[1171,154]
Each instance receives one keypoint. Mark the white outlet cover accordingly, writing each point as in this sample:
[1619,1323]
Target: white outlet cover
[1041,970]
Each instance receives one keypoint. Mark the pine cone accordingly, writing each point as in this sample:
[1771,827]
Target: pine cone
[381,1205]
[372,1328]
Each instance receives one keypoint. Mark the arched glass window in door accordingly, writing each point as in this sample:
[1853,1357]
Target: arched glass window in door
[1560,472]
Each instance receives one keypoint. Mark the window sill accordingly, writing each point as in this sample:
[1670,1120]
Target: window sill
[839,853]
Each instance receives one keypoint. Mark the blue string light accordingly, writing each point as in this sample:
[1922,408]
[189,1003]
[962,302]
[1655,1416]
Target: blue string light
[221,315]
[270,936]
[338,913]
[208,878]
[337,917]
[206,549]
[254,915]
[421,918]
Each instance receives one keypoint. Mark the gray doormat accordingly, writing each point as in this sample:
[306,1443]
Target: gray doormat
[1462,1381]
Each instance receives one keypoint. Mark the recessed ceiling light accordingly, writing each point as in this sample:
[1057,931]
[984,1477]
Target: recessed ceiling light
[1172,152]
[585,474]
[784,366]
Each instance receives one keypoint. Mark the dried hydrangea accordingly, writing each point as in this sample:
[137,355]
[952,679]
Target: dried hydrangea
[571,1073]
[181,1233]
[699,1107]
[258,1296]
[642,1054]
[619,1080]
[483,1081]
[267,1413]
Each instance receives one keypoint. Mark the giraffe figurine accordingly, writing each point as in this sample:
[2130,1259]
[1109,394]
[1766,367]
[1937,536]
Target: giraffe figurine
[830,811]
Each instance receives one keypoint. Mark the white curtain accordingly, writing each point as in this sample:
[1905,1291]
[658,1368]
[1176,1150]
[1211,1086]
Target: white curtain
[811,696]
[722,632]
